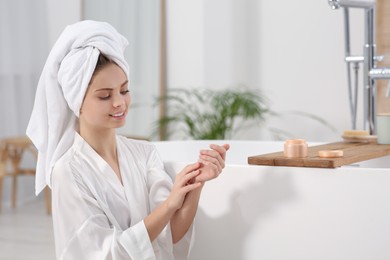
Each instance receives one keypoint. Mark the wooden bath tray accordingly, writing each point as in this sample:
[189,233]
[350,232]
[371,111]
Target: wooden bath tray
[353,152]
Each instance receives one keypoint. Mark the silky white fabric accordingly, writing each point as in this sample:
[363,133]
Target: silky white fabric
[62,87]
[95,217]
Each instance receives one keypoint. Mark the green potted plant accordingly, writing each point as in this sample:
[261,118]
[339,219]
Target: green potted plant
[206,114]
[203,114]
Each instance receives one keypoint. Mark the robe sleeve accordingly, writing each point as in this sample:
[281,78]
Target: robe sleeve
[160,185]
[82,230]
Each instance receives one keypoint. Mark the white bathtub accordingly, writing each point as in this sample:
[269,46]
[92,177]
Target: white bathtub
[284,213]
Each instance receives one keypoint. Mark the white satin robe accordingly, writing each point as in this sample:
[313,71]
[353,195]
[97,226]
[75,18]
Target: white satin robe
[96,218]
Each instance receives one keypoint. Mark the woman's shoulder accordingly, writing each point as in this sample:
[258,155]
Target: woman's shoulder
[136,143]
[139,150]
[65,160]
[63,169]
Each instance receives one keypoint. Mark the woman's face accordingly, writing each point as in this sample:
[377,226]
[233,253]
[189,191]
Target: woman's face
[107,100]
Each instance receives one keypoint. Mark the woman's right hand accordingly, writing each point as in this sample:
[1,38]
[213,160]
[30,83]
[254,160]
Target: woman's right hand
[183,184]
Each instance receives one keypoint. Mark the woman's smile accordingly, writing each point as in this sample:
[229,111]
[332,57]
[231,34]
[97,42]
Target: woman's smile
[119,116]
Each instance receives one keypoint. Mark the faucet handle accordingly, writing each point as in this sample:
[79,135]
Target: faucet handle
[334,4]
[379,58]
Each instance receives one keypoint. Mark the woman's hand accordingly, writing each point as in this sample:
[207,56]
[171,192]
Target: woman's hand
[212,162]
[183,184]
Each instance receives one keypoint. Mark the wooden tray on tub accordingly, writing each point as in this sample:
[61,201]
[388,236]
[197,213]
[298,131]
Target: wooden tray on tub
[353,152]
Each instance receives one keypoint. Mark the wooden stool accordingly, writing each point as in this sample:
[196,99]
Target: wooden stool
[11,150]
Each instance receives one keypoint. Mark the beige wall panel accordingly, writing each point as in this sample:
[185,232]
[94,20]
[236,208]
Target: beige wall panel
[383,48]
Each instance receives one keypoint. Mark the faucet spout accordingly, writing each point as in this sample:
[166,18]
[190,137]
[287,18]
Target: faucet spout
[380,73]
[366,4]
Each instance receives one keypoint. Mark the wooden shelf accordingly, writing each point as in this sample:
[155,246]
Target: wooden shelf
[353,152]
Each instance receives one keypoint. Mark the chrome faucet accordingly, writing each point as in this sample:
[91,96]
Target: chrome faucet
[371,73]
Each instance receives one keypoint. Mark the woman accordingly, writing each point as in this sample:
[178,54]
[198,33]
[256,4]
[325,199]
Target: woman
[111,196]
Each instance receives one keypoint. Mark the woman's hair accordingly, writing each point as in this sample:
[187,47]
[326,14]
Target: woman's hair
[102,62]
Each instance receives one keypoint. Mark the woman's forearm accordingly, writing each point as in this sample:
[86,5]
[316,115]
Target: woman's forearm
[180,220]
[183,196]
[158,219]
[183,218]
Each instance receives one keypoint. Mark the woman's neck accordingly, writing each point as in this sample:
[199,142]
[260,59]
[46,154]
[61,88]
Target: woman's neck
[103,142]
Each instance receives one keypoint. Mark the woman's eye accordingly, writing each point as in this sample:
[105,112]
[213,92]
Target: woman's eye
[125,92]
[104,98]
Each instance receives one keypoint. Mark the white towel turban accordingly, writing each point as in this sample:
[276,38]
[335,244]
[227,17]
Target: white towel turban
[62,86]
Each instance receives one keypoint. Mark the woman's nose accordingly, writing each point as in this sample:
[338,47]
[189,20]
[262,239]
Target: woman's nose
[118,100]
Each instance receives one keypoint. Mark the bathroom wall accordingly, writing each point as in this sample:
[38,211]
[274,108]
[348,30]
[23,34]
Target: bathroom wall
[61,13]
[302,65]
[295,56]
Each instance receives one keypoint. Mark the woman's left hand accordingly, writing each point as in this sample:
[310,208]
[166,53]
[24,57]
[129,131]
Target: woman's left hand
[212,162]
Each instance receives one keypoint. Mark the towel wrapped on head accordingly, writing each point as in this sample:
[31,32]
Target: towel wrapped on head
[62,87]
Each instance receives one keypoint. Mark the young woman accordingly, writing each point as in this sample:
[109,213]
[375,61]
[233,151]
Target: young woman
[111,197]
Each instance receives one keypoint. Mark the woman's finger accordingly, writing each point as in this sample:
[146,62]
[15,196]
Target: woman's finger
[209,165]
[220,164]
[191,187]
[183,179]
[189,168]
[188,178]
[213,154]
[221,149]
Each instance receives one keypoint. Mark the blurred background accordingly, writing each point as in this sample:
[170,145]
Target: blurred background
[291,52]
[294,55]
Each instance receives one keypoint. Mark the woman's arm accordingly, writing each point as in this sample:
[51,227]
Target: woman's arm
[211,163]
[162,215]
[183,218]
